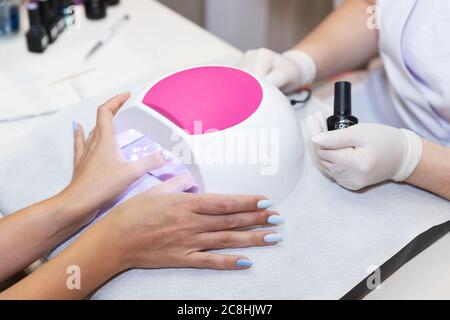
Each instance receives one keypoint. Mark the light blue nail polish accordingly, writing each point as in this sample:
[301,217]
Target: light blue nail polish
[244,263]
[264,204]
[74,126]
[274,237]
[275,220]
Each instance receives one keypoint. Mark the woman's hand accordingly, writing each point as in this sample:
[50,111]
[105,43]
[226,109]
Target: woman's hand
[155,231]
[288,71]
[364,154]
[175,230]
[100,172]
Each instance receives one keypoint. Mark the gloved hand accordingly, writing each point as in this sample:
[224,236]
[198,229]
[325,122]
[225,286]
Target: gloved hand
[288,71]
[364,154]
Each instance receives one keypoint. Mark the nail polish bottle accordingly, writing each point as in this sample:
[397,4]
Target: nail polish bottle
[342,117]
[56,7]
[37,38]
[15,16]
[64,5]
[95,9]
[66,11]
[49,20]
[9,17]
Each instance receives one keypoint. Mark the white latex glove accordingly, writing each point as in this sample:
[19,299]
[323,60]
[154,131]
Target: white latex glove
[364,154]
[288,71]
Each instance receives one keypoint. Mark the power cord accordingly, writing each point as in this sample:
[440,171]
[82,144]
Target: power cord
[306,91]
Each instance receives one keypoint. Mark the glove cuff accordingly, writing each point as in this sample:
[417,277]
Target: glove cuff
[412,154]
[305,63]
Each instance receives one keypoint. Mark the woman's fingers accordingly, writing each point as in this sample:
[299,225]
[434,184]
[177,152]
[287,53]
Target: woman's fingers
[153,161]
[174,185]
[340,139]
[106,112]
[326,166]
[207,260]
[224,204]
[91,136]
[239,220]
[316,124]
[116,102]
[236,239]
[339,157]
[79,143]
[263,63]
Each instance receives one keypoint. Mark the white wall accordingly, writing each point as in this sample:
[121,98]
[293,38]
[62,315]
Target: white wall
[243,23]
[192,9]
[248,24]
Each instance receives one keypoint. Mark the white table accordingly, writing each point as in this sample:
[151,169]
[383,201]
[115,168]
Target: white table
[156,38]
[160,39]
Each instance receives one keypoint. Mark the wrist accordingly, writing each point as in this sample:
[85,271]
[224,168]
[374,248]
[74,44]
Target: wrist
[114,241]
[412,154]
[71,210]
[305,63]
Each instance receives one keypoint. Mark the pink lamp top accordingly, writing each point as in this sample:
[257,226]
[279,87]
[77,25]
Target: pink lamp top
[206,99]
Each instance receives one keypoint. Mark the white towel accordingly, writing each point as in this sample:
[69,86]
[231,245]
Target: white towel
[333,237]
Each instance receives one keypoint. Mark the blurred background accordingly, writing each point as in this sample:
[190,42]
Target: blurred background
[55,54]
[249,24]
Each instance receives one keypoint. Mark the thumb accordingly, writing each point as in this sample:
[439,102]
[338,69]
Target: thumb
[338,139]
[316,124]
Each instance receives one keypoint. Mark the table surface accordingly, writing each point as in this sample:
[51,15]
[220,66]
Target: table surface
[155,38]
[160,39]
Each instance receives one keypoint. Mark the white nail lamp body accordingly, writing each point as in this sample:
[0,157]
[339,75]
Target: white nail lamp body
[235,133]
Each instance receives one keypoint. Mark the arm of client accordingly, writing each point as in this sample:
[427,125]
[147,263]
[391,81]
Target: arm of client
[150,231]
[367,154]
[146,231]
[29,233]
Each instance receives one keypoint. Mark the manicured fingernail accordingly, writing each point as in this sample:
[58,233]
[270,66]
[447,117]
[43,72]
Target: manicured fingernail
[275,220]
[74,126]
[274,237]
[264,204]
[244,263]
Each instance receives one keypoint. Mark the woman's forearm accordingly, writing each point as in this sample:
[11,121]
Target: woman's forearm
[30,233]
[75,273]
[433,171]
[343,41]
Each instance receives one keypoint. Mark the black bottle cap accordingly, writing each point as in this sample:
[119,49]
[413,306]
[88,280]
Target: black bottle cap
[37,39]
[34,15]
[342,117]
[342,98]
[95,9]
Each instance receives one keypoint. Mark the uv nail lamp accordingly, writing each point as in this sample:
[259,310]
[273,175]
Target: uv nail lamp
[234,133]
